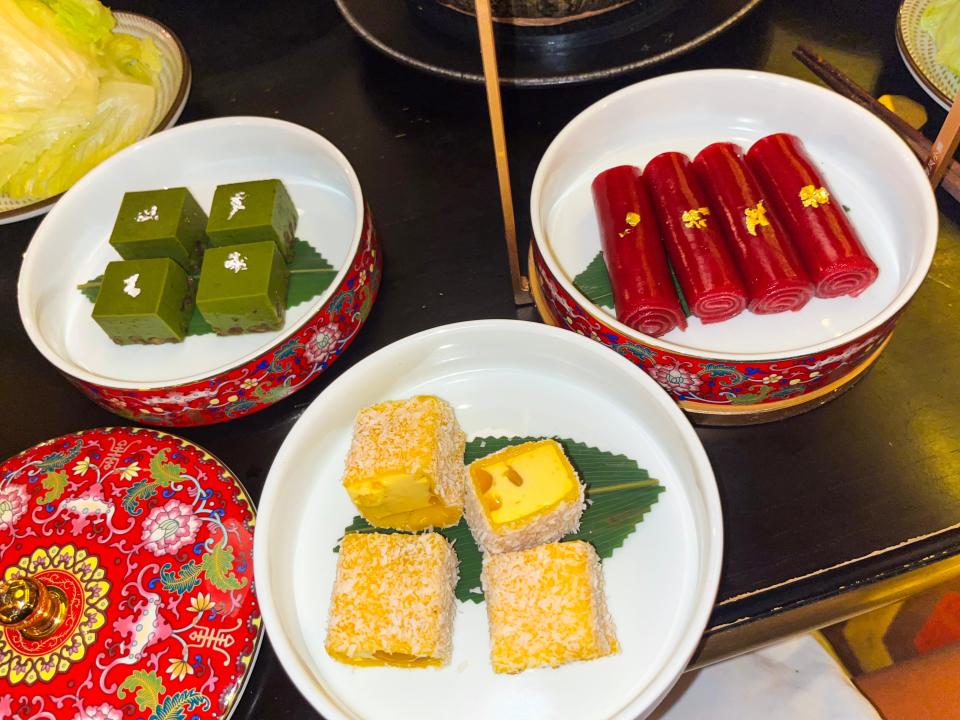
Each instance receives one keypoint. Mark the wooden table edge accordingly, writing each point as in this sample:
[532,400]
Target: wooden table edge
[751,633]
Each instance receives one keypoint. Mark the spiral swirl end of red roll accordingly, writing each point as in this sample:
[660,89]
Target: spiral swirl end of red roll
[719,305]
[655,321]
[850,277]
[782,298]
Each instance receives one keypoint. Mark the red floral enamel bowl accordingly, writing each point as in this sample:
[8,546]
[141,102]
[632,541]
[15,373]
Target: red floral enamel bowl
[752,361]
[147,540]
[206,378]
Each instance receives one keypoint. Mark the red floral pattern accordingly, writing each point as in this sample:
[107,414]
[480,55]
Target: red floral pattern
[13,504]
[169,527]
[270,377]
[156,566]
[714,381]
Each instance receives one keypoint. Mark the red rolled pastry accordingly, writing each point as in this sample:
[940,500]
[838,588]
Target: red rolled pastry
[643,291]
[707,275]
[828,245]
[768,264]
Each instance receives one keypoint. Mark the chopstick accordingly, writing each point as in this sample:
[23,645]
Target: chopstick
[491,75]
[843,85]
[945,145]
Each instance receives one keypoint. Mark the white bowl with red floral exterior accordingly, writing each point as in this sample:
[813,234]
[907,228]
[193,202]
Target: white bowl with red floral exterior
[206,378]
[753,361]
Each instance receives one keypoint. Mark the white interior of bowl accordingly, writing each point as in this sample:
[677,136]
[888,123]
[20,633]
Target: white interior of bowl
[660,585]
[72,246]
[871,171]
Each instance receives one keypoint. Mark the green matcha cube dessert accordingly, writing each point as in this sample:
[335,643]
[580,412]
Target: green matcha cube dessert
[243,288]
[255,211]
[144,302]
[161,223]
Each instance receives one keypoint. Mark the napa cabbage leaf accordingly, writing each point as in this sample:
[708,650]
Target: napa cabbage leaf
[73,91]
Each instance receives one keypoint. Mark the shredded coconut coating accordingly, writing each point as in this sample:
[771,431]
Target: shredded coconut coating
[546,607]
[393,600]
[419,436]
[535,530]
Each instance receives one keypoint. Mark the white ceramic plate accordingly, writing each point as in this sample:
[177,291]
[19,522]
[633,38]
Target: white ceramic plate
[72,243]
[919,53]
[172,93]
[870,169]
[502,377]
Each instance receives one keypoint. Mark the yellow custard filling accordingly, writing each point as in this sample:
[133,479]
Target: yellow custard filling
[391,493]
[405,466]
[522,482]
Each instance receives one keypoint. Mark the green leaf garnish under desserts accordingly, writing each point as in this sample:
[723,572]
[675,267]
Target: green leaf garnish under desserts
[310,276]
[619,493]
[594,283]
[676,286]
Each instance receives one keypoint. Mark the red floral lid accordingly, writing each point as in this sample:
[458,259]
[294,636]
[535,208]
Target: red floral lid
[149,540]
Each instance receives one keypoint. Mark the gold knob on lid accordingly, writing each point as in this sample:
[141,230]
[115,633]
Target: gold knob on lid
[34,609]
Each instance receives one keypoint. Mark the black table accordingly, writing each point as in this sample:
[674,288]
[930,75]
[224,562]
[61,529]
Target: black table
[826,514]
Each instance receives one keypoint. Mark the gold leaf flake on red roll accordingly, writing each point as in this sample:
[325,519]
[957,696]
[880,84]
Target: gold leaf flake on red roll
[825,239]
